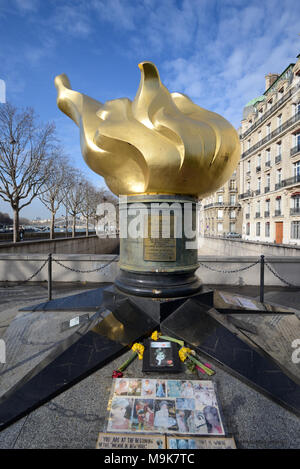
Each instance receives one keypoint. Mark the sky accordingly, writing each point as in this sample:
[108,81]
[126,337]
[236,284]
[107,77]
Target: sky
[215,51]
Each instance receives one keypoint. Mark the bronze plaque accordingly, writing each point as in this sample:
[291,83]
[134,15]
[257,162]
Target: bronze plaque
[157,248]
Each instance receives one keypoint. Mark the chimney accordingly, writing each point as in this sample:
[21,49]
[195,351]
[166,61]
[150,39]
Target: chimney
[270,78]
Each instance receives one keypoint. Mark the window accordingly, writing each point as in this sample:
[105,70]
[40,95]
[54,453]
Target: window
[268,156]
[270,103]
[297,169]
[268,129]
[259,160]
[232,227]
[296,202]
[279,120]
[278,206]
[232,184]
[232,199]
[232,213]
[258,184]
[248,229]
[259,136]
[278,176]
[220,227]
[248,186]
[295,230]
[220,214]
[267,229]
[248,144]
[249,165]
[258,228]
[278,148]
[268,179]
[220,199]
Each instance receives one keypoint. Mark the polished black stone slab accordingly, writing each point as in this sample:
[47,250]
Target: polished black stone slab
[87,301]
[72,360]
[192,323]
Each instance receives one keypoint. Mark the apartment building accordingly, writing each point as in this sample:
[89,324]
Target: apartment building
[220,213]
[270,161]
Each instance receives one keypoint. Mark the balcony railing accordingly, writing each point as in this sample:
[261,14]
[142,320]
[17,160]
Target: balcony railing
[288,182]
[277,213]
[267,189]
[273,134]
[277,159]
[258,168]
[257,192]
[295,150]
[248,174]
[295,211]
[267,214]
[270,111]
[247,215]
[268,164]
[257,215]
[246,195]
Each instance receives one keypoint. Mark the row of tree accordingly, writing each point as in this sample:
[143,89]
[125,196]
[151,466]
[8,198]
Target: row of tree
[33,165]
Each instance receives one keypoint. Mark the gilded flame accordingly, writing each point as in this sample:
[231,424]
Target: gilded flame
[160,142]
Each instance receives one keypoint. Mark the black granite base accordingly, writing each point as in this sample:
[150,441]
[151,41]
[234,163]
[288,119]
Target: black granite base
[192,323]
[122,319]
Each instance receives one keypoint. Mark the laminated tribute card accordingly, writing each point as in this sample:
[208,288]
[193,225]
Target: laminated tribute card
[164,406]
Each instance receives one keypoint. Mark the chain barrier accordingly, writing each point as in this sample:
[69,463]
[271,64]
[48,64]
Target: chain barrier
[280,278]
[230,271]
[86,271]
[28,279]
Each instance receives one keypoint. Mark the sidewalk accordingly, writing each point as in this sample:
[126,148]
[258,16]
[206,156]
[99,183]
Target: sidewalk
[74,418]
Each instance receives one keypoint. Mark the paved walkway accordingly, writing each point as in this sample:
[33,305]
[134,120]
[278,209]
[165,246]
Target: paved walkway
[74,418]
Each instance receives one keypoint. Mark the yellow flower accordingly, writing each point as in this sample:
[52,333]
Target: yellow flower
[156,335]
[184,353]
[139,349]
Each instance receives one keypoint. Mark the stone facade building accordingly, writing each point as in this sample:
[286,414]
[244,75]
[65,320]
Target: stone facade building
[270,161]
[220,213]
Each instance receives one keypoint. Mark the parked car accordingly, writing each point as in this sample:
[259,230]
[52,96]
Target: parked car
[232,234]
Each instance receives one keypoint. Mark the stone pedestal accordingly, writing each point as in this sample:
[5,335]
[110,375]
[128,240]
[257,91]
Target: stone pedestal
[158,246]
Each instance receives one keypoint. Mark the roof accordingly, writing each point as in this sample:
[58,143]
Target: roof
[255,100]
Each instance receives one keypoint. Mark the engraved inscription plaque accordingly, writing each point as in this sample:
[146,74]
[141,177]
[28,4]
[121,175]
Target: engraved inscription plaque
[159,240]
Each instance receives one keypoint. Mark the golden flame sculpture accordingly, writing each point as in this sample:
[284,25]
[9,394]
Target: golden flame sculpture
[159,143]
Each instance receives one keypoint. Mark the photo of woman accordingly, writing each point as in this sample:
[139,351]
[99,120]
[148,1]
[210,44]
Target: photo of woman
[165,416]
[120,414]
[211,415]
[160,388]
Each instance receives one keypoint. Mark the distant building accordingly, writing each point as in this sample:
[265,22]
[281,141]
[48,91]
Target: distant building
[220,213]
[270,161]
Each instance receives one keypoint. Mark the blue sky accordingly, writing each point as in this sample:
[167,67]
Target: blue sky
[215,51]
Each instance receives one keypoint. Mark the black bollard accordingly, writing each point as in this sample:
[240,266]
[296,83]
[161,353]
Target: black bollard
[262,278]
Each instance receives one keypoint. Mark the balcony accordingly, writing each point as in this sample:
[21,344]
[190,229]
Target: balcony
[288,182]
[268,164]
[295,150]
[258,169]
[232,189]
[273,134]
[257,192]
[267,214]
[246,195]
[267,189]
[295,211]
[270,111]
[278,213]
[277,159]
[214,204]
[257,215]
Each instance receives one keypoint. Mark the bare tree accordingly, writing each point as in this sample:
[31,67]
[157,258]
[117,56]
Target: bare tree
[24,158]
[88,203]
[53,188]
[74,195]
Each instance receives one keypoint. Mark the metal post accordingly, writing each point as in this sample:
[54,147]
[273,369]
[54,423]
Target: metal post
[49,277]
[262,278]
